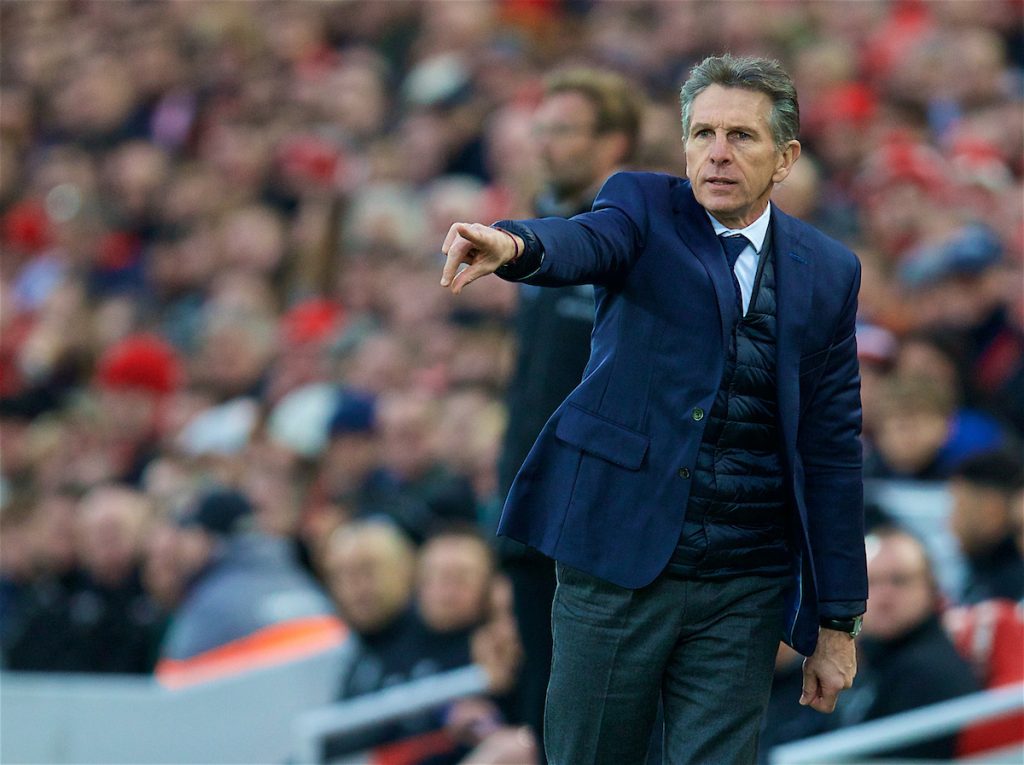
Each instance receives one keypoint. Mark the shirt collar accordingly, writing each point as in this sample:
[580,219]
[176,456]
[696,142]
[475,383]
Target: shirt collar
[755,232]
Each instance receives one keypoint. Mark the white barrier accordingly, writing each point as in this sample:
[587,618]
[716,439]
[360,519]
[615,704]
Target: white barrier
[899,730]
[58,718]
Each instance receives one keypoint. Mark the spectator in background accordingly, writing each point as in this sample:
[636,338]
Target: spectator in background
[370,568]
[352,456]
[983,488]
[37,640]
[133,380]
[96,618]
[915,434]
[247,601]
[17,565]
[118,623]
[454,597]
[934,355]
[421,491]
[908,659]
[455,576]
[959,286]
[587,126]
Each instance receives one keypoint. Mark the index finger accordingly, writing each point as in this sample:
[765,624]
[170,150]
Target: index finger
[450,237]
[451,266]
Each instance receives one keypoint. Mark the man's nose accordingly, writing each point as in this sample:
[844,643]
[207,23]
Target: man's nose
[720,149]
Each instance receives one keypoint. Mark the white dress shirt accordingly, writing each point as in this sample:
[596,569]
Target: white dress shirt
[746,264]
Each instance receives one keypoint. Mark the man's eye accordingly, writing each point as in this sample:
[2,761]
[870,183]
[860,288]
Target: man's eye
[742,135]
[702,133]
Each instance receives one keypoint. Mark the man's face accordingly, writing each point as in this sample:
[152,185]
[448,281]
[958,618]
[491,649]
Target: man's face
[902,594]
[566,132]
[454,583]
[909,440]
[731,158]
[369,581]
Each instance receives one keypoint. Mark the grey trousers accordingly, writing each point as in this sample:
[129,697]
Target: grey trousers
[707,648]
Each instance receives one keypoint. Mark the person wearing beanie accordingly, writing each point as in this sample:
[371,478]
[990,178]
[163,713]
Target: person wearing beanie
[133,379]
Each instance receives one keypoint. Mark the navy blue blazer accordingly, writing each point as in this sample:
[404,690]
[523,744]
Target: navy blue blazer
[606,485]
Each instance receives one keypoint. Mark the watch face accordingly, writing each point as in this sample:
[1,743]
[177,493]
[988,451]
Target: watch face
[858,624]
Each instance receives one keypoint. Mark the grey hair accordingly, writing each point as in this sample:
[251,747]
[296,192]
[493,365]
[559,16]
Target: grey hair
[760,74]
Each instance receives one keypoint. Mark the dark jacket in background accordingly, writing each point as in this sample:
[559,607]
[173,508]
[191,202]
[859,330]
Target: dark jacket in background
[553,329]
[403,651]
[75,624]
[919,668]
[996,573]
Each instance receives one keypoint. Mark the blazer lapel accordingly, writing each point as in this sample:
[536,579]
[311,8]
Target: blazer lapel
[794,277]
[695,230]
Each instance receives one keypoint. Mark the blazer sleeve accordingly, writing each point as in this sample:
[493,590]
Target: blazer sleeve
[828,442]
[598,247]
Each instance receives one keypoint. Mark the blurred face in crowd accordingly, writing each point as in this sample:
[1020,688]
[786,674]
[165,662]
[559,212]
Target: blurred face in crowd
[407,426]
[574,154]
[111,526]
[980,517]
[958,301]
[909,432]
[923,359]
[731,158]
[902,590]
[454,582]
[349,459]
[370,574]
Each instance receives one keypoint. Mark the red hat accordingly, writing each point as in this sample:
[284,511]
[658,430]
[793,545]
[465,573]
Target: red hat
[26,227]
[311,321]
[140,362]
[902,160]
[849,102]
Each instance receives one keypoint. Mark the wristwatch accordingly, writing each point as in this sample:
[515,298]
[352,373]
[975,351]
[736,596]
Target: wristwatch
[850,625]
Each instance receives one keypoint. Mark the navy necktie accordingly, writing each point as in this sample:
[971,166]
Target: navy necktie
[733,246]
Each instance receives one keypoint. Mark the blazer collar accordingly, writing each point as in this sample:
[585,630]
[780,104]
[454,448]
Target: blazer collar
[794,270]
[698,236]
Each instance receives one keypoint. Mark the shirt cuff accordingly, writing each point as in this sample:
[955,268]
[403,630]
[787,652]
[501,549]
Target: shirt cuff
[841,609]
[530,259]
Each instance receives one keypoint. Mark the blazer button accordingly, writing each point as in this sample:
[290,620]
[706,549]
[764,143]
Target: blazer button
[684,472]
[698,414]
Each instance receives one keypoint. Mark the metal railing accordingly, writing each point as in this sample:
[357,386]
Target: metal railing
[903,729]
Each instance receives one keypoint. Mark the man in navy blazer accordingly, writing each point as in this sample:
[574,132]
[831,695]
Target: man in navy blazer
[701,488]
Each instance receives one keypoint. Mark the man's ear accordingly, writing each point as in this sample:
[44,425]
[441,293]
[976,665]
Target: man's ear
[787,158]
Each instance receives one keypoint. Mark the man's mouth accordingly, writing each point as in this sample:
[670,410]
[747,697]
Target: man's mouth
[715,180]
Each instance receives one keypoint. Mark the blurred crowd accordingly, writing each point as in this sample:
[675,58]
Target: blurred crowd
[224,351]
